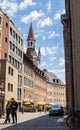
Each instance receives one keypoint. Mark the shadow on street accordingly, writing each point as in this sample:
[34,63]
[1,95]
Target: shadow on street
[41,123]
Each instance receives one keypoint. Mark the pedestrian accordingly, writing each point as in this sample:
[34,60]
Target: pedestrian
[45,108]
[14,106]
[8,112]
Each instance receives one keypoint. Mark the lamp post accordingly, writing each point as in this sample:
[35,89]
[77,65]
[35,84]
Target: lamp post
[1,98]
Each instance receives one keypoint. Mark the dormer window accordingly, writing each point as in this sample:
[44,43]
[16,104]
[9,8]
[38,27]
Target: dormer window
[54,80]
[57,81]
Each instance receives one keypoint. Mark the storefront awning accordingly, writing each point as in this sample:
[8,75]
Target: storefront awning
[41,103]
[26,103]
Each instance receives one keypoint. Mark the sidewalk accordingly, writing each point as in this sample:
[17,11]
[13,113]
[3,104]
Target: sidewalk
[21,118]
[62,120]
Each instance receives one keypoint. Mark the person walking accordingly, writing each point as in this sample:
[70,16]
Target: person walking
[14,106]
[8,112]
[45,108]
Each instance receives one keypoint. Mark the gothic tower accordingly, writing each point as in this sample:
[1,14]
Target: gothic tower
[31,53]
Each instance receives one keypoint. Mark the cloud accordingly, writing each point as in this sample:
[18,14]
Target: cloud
[45,22]
[10,7]
[26,3]
[43,37]
[43,64]
[49,50]
[61,61]
[32,17]
[42,49]
[58,14]
[53,34]
[49,6]
[13,8]
[53,58]
[3,4]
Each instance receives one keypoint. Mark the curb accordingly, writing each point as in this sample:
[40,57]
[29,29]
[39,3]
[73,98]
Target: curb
[62,121]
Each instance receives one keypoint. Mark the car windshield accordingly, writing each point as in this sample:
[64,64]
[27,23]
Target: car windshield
[56,106]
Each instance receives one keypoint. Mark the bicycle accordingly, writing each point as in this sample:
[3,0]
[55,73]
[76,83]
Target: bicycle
[73,120]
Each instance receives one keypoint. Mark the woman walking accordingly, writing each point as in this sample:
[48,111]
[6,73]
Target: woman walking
[8,111]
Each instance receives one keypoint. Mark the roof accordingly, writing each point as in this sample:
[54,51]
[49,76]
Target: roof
[31,34]
[52,78]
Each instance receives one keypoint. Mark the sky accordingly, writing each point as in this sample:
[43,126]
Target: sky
[45,16]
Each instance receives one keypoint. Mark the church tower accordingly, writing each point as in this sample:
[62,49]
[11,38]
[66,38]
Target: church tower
[31,53]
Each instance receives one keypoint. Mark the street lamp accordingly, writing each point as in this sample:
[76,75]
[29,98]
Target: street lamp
[1,98]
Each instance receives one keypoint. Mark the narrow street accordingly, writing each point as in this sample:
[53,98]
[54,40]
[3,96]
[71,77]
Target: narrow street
[34,121]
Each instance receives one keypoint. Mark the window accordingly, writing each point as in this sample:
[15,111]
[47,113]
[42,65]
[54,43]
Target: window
[10,70]
[54,80]
[10,31]
[10,44]
[19,39]
[12,61]
[9,58]
[6,39]
[7,25]
[19,79]
[21,42]
[16,37]
[15,63]
[13,47]
[57,81]
[10,87]
[5,55]
[13,34]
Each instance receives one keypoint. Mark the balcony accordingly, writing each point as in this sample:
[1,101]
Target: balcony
[64,19]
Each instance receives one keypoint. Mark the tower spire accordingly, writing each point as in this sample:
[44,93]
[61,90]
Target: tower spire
[31,53]
[31,33]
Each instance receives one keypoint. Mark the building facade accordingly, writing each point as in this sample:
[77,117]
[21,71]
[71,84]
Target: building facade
[71,25]
[40,90]
[28,80]
[11,50]
[56,90]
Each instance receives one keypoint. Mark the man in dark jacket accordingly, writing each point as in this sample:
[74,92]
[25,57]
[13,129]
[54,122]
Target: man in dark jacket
[14,106]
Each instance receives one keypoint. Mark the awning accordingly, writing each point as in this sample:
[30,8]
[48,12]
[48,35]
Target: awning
[49,105]
[41,103]
[26,103]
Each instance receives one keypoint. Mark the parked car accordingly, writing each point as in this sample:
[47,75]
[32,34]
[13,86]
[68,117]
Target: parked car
[56,110]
